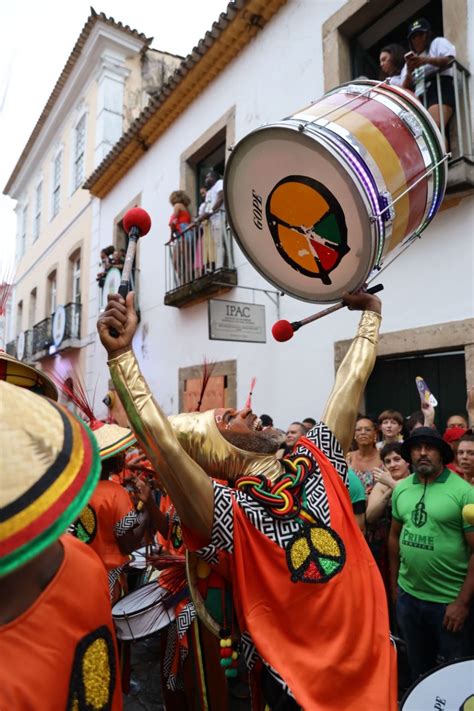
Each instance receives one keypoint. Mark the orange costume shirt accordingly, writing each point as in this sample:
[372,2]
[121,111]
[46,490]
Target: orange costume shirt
[109,513]
[61,653]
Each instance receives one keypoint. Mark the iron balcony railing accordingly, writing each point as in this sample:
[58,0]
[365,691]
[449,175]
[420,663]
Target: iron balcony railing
[42,336]
[11,348]
[203,248]
[73,321]
[459,128]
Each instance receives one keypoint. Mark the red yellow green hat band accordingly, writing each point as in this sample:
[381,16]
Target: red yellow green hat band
[38,512]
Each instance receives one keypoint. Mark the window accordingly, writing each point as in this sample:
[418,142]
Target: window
[52,292]
[38,202]
[79,147]
[76,279]
[23,230]
[56,184]
[32,309]
[19,317]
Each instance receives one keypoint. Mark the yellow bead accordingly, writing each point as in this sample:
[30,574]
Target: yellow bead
[228,642]
[234,655]
[223,643]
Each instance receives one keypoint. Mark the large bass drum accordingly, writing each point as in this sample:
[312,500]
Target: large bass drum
[317,201]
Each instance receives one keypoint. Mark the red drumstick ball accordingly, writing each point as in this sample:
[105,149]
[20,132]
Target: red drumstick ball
[282,331]
[139,218]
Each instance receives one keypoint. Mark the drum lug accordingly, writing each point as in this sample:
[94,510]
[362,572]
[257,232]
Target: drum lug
[412,122]
[387,211]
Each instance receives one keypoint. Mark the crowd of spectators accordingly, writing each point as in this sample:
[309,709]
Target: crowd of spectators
[110,257]
[408,486]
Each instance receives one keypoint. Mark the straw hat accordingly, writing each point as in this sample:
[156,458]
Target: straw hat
[54,469]
[25,376]
[111,439]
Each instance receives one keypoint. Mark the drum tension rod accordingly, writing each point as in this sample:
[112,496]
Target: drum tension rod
[418,180]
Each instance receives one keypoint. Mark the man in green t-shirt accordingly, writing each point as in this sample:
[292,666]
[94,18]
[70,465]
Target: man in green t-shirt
[430,549]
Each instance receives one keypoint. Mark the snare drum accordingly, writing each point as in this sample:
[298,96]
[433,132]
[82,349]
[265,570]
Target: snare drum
[141,613]
[318,200]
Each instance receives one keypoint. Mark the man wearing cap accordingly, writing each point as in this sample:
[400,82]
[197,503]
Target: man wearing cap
[427,56]
[57,640]
[430,549]
[308,597]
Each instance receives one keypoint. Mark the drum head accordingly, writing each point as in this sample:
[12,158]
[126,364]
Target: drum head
[141,612]
[299,212]
[452,683]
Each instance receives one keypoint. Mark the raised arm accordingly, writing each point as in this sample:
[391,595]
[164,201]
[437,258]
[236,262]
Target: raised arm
[186,482]
[351,378]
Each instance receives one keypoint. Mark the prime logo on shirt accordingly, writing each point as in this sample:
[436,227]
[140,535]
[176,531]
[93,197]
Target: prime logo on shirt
[417,540]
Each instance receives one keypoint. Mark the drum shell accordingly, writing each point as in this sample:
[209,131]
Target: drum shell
[366,158]
[141,613]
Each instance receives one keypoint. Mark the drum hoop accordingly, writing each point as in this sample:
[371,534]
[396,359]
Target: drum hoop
[372,167]
[142,609]
[295,125]
[431,672]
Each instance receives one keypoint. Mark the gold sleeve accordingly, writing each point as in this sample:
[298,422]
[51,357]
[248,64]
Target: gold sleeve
[186,482]
[351,378]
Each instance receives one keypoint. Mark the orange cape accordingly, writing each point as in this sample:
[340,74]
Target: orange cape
[329,641]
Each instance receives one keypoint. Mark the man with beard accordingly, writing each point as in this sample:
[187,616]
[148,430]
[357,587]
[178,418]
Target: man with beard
[430,549]
[309,600]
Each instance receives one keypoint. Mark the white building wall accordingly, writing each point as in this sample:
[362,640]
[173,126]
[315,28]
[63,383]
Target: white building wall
[277,74]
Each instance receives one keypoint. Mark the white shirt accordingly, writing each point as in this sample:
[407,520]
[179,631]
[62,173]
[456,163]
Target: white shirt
[440,47]
[211,197]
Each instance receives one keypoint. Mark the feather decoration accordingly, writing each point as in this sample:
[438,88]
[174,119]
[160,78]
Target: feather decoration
[7,279]
[207,369]
[172,578]
[249,398]
[71,385]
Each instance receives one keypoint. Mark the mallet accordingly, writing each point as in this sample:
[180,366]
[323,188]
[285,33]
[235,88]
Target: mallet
[283,330]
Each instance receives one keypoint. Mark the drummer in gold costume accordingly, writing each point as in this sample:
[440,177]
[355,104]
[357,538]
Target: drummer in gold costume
[309,600]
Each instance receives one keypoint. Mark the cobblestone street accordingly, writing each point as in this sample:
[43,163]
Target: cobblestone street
[145,687]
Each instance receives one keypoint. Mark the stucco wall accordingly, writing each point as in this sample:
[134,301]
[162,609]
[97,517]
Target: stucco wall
[278,73]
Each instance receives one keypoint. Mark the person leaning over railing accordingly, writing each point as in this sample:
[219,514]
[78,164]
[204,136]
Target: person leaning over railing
[426,57]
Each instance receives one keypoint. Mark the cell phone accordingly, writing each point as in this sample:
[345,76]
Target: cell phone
[409,55]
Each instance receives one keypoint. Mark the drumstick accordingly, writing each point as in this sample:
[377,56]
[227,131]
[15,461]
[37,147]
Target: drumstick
[283,330]
[137,223]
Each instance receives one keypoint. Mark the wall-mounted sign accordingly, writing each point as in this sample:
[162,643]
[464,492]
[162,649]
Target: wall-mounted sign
[20,345]
[58,327]
[236,321]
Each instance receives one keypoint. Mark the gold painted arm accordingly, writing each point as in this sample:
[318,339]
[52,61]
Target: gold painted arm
[186,482]
[351,378]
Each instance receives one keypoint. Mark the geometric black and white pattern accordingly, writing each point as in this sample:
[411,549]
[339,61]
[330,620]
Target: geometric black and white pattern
[126,523]
[185,619]
[280,531]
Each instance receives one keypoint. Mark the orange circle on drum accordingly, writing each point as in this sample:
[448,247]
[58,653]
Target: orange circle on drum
[307,225]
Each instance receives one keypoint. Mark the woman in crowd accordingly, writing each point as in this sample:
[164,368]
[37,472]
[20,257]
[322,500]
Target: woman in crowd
[391,61]
[365,457]
[391,425]
[179,222]
[426,57]
[379,505]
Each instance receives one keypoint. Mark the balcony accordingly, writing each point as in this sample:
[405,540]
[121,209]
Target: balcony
[69,335]
[200,263]
[42,339]
[459,130]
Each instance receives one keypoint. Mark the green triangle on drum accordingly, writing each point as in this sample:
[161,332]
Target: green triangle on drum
[329,566]
[328,229]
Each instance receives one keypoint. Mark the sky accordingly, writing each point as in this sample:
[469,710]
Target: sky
[36,39]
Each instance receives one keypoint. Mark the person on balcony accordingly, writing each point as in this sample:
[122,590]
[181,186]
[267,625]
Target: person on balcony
[181,236]
[391,61]
[213,214]
[426,57]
